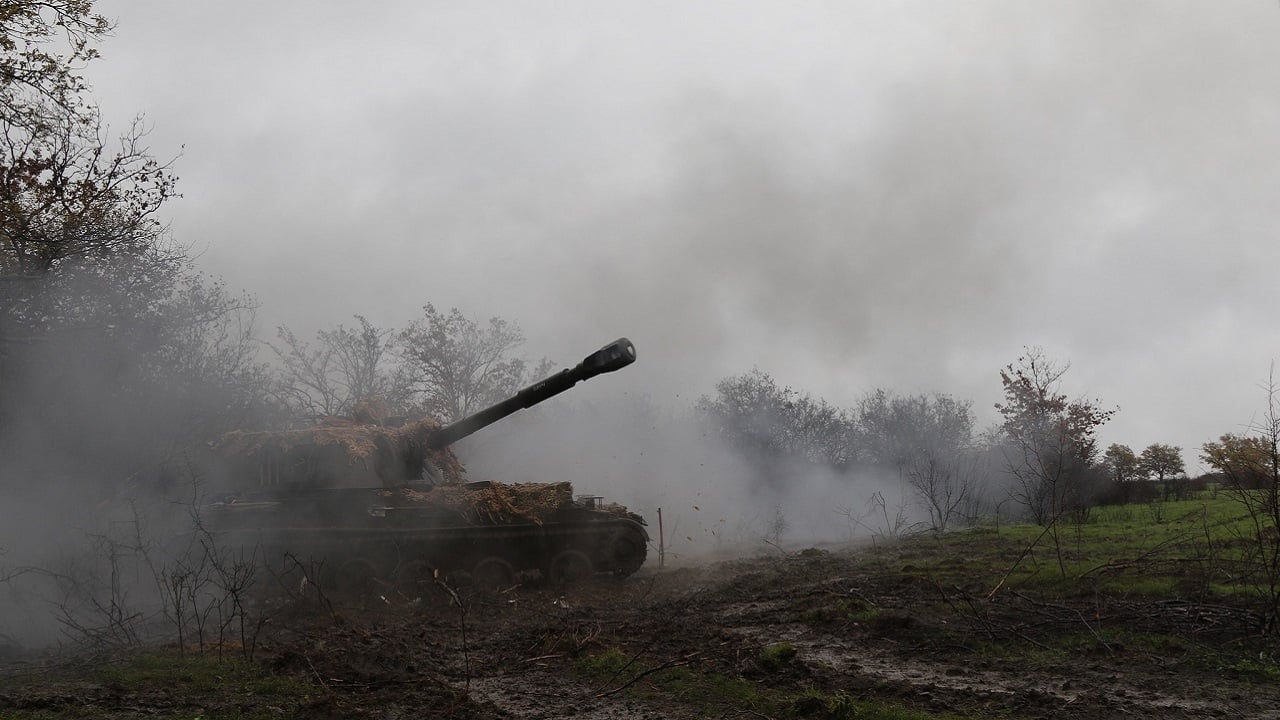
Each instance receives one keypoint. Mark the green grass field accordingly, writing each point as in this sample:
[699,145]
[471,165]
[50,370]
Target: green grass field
[1067,581]
[1201,547]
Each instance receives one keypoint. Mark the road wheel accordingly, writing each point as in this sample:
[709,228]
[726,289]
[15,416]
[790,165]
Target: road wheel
[493,573]
[414,578]
[569,567]
[626,553]
[415,581]
[358,577]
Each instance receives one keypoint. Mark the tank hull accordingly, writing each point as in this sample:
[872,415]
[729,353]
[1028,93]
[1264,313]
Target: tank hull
[355,539]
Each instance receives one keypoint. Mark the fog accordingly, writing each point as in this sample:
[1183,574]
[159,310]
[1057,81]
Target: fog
[845,195]
[715,502]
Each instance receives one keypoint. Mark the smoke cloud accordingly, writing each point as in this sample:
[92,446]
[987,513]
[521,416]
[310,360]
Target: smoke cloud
[847,196]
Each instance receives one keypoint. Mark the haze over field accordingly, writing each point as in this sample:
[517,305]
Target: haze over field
[785,206]
[847,195]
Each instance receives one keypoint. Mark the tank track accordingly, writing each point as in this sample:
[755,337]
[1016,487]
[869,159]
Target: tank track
[400,558]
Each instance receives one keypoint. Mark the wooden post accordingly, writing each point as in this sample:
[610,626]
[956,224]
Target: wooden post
[662,548]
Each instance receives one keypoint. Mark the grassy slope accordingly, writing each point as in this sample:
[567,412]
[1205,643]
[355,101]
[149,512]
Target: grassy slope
[1096,590]
[1018,596]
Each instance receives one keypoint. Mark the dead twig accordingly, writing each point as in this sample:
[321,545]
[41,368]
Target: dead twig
[316,672]
[1026,551]
[629,662]
[669,664]
[976,614]
[462,621]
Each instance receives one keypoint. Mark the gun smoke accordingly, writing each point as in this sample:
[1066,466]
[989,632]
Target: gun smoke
[849,198]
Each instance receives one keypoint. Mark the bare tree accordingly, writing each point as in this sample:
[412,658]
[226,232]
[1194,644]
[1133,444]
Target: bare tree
[899,430]
[306,380]
[455,366]
[362,355]
[928,441]
[946,485]
[879,521]
[348,369]
[776,527]
[773,423]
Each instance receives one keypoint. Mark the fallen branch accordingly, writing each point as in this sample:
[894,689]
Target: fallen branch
[323,682]
[630,662]
[1026,551]
[462,623]
[669,664]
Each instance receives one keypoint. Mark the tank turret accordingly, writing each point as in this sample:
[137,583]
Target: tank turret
[345,454]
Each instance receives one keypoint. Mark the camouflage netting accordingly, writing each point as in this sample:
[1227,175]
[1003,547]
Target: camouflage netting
[345,454]
[493,503]
[324,454]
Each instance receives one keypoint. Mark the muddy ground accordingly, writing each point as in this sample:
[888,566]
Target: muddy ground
[778,636]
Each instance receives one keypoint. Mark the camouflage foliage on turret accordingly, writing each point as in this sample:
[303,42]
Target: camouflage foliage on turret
[338,453]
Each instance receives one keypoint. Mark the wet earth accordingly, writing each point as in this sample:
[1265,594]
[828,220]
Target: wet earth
[777,636]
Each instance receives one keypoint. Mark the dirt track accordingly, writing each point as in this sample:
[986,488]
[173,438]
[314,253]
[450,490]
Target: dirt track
[524,650]
[889,636]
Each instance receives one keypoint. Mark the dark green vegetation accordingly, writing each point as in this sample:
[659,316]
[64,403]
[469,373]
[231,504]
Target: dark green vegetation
[157,683]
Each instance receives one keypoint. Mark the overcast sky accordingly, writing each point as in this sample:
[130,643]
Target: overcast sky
[848,195]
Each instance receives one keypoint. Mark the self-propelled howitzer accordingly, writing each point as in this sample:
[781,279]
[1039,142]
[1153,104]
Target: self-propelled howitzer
[387,507]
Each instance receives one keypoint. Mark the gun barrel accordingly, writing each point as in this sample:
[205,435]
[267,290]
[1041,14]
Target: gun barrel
[614,356]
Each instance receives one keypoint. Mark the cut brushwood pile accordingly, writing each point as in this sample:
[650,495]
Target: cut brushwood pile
[341,453]
[491,503]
